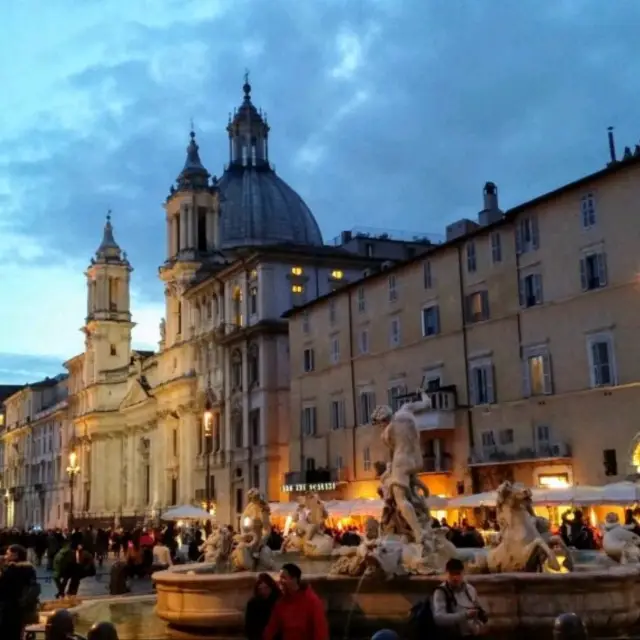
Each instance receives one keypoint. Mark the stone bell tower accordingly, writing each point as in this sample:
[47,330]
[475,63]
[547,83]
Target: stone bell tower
[108,324]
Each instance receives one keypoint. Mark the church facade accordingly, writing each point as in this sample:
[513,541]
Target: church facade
[240,251]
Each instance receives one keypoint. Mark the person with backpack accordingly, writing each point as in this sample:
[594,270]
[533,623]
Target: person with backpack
[457,612]
[19,593]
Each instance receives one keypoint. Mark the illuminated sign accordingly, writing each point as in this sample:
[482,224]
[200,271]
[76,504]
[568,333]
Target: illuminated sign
[314,486]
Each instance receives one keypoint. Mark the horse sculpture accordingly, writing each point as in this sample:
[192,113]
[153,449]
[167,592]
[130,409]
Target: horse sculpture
[521,547]
[251,552]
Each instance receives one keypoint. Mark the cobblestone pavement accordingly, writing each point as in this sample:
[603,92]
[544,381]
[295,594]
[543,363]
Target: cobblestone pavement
[98,586]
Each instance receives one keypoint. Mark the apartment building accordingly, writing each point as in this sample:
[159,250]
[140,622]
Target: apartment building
[522,328]
[33,444]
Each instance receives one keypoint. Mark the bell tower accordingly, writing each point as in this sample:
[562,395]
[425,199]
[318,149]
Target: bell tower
[108,324]
[193,211]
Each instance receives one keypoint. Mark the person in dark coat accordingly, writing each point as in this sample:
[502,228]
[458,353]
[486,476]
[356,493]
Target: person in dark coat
[265,594]
[19,593]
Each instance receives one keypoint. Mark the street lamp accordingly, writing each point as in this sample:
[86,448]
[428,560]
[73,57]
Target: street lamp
[72,471]
[208,432]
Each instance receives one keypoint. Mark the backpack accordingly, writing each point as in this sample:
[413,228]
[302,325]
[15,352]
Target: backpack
[421,622]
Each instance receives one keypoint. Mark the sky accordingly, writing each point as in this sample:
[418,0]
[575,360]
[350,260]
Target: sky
[389,114]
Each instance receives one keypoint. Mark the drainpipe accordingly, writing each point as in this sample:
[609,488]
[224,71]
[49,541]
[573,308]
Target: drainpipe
[465,350]
[353,386]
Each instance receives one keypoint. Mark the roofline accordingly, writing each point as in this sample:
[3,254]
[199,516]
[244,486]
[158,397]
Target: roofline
[508,217]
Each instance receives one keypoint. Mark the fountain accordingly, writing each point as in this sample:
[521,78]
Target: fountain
[524,582]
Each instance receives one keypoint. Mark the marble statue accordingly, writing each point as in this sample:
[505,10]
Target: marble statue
[315,542]
[619,543]
[217,548]
[521,546]
[299,524]
[251,552]
[163,330]
[405,496]
[406,541]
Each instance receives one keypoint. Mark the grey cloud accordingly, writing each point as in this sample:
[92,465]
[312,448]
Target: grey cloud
[460,93]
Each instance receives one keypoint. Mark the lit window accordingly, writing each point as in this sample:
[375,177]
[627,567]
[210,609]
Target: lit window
[337,275]
[296,271]
[254,274]
[297,288]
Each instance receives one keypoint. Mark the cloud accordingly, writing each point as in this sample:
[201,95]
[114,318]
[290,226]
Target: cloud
[380,110]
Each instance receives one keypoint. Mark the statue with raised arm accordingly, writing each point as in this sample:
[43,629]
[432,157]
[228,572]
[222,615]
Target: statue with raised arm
[404,494]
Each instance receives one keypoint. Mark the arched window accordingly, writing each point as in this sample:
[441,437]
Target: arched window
[238,439]
[236,370]
[253,364]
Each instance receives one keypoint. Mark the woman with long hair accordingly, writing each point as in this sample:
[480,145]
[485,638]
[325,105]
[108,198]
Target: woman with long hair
[265,594]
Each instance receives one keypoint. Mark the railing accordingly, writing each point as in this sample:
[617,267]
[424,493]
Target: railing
[488,455]
[317,476]
[432,464]
[442,399]
[387,234]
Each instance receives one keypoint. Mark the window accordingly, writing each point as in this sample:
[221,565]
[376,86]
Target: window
[395,396]
[537,373]
[588,211]
[601,360]
[253,301]
[527,238]
[113,350]
[255,481]
[593,271]
[339,463]
[543,434]
[253,364]
[496,248]
[366,459]
[310,464]
[368,250]
[430,321]
[393,291]
[471,257]
[338,414]
[394,332]
[335,350]
[308,360]
[362,305]
[238,435]
[426,275]
[505,436]
[481,382]
[297,288]
[296,271]
[477,306]
[337,274]
[236,370]
[530,290]
[305,322]
[367,403]
[309,421]
[363,341]
[332,311]
[488,440]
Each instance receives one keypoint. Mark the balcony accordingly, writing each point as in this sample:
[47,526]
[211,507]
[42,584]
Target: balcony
[510,455]
[441,415]
[316,480]
[437,464]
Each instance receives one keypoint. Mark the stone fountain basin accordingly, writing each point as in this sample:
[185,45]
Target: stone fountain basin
[204,603]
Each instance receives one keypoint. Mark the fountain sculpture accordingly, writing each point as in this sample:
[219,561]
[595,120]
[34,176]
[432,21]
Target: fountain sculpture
[619,543]
[518,581]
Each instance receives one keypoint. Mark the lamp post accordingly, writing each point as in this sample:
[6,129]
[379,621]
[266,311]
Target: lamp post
[72,471]
[208,432]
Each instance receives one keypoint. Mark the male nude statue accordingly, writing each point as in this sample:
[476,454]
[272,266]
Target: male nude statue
[400,479]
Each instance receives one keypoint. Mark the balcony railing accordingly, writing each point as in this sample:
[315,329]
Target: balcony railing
[505,455]
[442,399]
[433,464]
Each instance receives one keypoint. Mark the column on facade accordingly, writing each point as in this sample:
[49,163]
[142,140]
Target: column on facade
[131,475]
[100,476]
[169,238]
[183,228]
[187,452]
[174,236]
[157,462]
[226,368]
[245,395]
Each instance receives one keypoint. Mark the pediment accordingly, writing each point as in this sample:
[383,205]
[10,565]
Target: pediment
[136,394]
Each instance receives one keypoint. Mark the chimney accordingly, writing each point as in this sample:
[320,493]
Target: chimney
[490,194]
[491,212]
[612,147]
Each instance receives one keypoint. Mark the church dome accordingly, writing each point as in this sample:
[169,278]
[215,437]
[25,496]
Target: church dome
[257,206]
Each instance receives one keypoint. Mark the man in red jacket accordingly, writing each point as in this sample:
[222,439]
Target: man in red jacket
[299,614]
